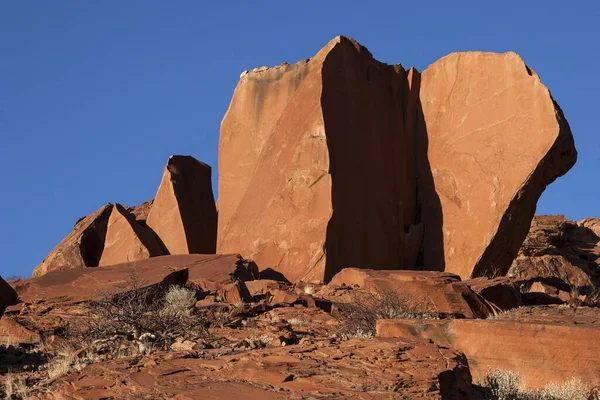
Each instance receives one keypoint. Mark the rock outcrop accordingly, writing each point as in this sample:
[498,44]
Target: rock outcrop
[184,215]
[315,163]
[82,247]
[341,160]
[558,248]
[126,240]
[541,352]
[495,139]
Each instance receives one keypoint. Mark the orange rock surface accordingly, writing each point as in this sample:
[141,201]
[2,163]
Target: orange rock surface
[495,139]
[126,240]
[183,214]
[540,352]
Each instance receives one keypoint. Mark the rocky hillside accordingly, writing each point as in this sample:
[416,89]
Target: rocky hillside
[374,238]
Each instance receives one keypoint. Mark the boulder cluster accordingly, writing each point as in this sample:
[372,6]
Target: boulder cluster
[368,214]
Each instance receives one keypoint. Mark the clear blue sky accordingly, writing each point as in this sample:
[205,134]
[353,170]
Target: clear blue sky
[95,95]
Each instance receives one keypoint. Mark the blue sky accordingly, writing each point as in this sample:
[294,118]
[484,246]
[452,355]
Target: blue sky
[94,96]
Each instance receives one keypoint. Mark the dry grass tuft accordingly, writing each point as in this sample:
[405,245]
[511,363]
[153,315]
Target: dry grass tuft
[507,385]
[359,318]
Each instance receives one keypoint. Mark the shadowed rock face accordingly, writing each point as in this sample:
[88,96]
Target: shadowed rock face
[315,164]
[341,160]
[8,296]
[184,215]
[82,247]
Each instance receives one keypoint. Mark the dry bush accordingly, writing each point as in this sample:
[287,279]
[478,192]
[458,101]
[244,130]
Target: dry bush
[140,319]
[359,318]
[507,385]
[14,387]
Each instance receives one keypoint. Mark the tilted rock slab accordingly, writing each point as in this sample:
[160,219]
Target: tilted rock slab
[315,163]
[126,240]
[495,139]
[541,353]
[82,247]
[183,214]
[341,160]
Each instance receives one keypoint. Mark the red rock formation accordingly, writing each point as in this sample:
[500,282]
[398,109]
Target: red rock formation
[315,163]
[495,140]
[436,292]
[540,352]
[82,247]
[126,240]
[558,248]
[183,214]
[341,160]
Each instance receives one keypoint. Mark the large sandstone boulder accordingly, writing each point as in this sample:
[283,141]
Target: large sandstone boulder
[82,247]
[558,248]
[126,240]
[183,214]
[495,139]
[541,352]
[316,165]
[424,291]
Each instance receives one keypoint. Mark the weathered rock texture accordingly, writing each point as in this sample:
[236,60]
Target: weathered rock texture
[82,247]
[184,215]
[556,247]
[495,140]
[126,240]
[541,353]
[316,165]
[337,161]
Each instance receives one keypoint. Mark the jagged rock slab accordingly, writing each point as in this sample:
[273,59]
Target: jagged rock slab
[183,214]
[502,292]
[540,352]
[316,165]
[126,240]
[82,247]
[494,139]
[558,248]
[426,291]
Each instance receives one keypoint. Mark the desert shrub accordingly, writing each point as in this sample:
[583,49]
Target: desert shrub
[141,318]
[503,385]
[359,318]
[507,385]
[179,302]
